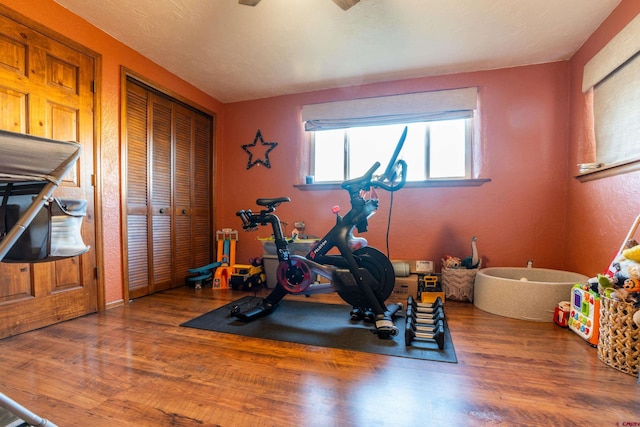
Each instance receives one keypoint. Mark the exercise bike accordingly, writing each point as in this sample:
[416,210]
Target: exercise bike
[362,276]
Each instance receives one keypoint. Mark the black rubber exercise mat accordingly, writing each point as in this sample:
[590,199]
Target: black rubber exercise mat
[322,325]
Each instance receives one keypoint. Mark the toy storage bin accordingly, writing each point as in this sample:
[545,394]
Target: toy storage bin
[458,282]
[296,247]
[618,344]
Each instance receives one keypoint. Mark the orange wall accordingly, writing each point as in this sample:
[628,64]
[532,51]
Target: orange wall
[519,215]
[114,55]
[600,212]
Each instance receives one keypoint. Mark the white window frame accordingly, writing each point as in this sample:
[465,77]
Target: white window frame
[468,153]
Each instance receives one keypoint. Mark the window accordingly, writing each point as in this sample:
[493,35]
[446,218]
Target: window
[611,78]
[432,150]
[350,136]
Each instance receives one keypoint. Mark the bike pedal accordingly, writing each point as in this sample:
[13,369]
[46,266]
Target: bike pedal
[385,328]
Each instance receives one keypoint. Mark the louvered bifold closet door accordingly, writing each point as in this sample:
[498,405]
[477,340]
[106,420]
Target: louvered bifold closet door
[168,194]
[161,194]
[137,190]
[202,193]
[183,184]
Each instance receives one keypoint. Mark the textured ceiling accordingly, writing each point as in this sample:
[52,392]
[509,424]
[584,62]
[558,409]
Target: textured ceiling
[235,52]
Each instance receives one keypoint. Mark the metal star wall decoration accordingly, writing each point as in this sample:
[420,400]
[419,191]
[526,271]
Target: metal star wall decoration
[249,147]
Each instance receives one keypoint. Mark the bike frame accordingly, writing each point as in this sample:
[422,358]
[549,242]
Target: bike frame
[344,270]
[299,280]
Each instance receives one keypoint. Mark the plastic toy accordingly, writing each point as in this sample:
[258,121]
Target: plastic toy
[217,272]
[561,314]
[248,277]
[201,275]
[227,240]
[473,260]
[584,318]
[429,288]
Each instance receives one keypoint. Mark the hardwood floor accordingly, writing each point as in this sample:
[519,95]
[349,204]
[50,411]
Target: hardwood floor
[135,366]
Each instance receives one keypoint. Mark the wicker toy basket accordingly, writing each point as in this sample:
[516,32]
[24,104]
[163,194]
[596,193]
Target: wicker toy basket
[458,282]
[618,344]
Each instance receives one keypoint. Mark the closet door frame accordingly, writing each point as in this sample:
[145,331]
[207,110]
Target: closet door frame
[127,74]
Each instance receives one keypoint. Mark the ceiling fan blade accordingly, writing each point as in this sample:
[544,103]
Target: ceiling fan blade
[345,4]
[249,2]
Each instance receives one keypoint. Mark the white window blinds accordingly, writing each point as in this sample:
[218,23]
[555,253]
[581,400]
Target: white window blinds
[613,75]
[618,51]
[405,108]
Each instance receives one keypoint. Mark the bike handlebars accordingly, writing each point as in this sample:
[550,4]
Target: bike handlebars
[367,180]
[391,186]
[387,180]
[362,182]
[247,224]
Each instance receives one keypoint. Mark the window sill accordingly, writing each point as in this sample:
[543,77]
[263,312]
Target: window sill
[413,184]
[609,170]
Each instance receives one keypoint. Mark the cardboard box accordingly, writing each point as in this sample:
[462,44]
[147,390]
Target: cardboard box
[405,286]
[297,247]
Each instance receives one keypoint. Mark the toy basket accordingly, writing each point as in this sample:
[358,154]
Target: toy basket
[618,344]
[458,282]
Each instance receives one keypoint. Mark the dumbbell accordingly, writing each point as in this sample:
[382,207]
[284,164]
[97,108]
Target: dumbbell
[414,332]
[425,318]
[423,306]
[426,327]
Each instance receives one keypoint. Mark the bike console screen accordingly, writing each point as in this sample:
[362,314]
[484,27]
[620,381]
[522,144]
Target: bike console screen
[390,171]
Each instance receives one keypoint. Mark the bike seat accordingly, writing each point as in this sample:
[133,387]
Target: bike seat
[272,202]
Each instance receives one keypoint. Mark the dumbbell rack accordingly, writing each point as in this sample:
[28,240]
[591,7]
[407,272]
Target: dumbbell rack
[425,322]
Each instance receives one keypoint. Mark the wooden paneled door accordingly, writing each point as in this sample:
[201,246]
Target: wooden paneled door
[167,168]
[47,89]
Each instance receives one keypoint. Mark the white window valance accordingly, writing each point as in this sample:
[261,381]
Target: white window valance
[405,108]
[618,51]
